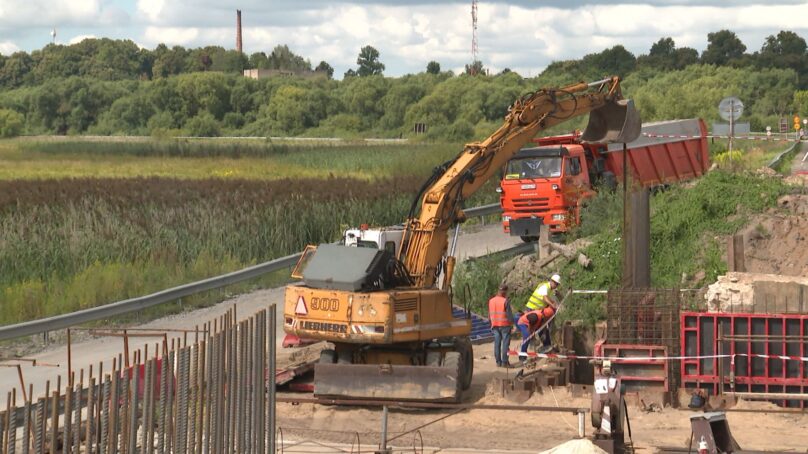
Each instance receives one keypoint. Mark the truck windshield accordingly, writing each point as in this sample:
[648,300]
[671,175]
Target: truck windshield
[543,167]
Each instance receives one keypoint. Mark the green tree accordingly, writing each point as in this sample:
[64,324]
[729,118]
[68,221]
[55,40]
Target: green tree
[259,60]
[785,43]
[368,62]
[724,46]
[11,123]
[282,57]
[203,125]
[324,67]
[433,67]
[475,68]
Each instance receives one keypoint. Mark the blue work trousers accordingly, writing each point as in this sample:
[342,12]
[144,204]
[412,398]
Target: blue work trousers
[502,343]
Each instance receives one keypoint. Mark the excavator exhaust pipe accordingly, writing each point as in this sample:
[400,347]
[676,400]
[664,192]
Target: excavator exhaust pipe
[615,122]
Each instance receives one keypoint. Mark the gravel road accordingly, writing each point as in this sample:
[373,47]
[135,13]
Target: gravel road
[478,240]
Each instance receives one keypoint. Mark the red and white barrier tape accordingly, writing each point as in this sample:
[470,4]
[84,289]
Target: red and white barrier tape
[712,136]
[617,359]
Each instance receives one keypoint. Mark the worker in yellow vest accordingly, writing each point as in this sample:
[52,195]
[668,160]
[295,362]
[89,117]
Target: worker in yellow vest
[544,294]
[542,297]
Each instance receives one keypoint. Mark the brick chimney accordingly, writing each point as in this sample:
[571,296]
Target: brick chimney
[238,30]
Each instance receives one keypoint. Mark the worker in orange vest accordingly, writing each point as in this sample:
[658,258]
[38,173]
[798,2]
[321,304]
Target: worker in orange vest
[500,315]
[529,323]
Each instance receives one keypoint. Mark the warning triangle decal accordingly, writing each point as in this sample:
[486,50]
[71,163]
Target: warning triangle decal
[301,309]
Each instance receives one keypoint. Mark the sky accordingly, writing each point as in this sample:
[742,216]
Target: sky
[522,35]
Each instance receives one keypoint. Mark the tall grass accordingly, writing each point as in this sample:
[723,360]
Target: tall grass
[220,159]
[70,244]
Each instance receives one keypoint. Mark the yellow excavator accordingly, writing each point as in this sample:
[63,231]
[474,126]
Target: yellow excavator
[387,307]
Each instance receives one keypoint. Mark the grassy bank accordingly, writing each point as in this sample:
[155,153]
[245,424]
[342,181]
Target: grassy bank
[687,225]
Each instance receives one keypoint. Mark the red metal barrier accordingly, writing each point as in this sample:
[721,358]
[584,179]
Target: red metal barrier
[705,334]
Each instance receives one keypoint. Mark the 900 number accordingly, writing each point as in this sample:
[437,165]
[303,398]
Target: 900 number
[325,304]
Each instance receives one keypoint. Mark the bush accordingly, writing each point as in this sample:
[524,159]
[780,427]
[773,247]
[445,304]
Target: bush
[10,123]
[203,125]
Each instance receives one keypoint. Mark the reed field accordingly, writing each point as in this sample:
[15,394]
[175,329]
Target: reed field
[86,223]
[229,159]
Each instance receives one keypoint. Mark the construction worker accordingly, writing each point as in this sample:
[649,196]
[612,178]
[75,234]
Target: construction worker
[544,294]
[529,323]
[500,315]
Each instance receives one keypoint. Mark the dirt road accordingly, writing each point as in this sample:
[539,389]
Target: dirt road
[477,241]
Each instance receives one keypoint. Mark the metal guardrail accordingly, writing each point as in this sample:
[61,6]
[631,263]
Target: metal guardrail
[777,159]
[63,321]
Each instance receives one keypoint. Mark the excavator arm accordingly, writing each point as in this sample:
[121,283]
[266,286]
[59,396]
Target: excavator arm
[426,238]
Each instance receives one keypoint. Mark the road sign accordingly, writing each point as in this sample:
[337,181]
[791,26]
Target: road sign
[783,125]
[797,126]
[730,108]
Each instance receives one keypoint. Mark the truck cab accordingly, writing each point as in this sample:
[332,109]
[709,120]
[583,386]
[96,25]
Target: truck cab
[544,185]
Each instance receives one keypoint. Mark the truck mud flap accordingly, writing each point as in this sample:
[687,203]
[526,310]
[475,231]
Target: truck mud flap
[386,382]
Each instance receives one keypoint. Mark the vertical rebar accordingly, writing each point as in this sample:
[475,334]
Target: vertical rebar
[134,392]
[258,381]
[114,408]
[123,414]
[104,417]
[89,437]
[200,394]
[161,424]
[39,423]
[54,416]
[250,386]
[271,379]
[12,424]
[383,447]
[169,429]
[147,398]
[581,424]
[26,427]
[192,400]
[77,394]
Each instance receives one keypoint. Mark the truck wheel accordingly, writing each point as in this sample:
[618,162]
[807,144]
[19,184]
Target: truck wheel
[328,356]
[463,346]
[529,239]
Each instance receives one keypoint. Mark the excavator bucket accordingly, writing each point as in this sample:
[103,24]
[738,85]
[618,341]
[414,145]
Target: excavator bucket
[386,382]
[616,122]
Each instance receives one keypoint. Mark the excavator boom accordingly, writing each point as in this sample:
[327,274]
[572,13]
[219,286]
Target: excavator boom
[612,120]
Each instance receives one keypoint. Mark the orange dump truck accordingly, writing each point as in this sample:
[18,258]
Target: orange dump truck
[547,183]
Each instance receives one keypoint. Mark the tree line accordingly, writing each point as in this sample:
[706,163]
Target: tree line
[102,86]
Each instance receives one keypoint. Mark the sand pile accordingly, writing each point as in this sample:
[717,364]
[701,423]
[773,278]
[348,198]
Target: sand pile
[580,446]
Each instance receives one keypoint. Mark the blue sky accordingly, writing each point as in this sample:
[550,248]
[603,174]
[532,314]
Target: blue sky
[522,35]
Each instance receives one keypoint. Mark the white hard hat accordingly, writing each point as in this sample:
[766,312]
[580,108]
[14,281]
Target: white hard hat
[556,278]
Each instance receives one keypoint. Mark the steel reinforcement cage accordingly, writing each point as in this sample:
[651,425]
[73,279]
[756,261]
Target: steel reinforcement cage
[646,316]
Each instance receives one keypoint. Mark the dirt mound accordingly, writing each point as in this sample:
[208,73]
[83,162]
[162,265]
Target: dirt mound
[581,446]
[775,242]
[523,273]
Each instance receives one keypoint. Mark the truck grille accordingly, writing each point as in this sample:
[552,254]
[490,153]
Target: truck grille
[410,304]
[537,205]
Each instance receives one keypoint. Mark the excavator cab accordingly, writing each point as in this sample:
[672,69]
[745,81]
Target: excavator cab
[616,122]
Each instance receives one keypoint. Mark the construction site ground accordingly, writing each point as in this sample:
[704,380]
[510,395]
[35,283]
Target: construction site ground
[500,430]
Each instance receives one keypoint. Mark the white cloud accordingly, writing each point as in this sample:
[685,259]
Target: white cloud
[8,48]
[80,38]
[523,35]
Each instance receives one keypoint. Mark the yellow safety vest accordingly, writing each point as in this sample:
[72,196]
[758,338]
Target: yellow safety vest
[536,300]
